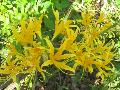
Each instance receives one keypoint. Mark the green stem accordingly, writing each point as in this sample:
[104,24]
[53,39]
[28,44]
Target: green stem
[34,81]
[82,74]
[18,83]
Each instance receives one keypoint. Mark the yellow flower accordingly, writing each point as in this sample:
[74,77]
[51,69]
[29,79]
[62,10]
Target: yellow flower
[101,17]
[86,18]
[57,58]
[31,59]
[94,52]
[27,31]
[60,25]
[84,59]
[10,68]
[71,34]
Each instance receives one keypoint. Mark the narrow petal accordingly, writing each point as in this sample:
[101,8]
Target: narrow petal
[46,63]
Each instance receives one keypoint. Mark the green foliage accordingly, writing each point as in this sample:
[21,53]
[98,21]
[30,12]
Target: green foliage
[118,3]
[60,4]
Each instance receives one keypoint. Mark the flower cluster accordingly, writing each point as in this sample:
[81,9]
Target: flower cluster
[91,52]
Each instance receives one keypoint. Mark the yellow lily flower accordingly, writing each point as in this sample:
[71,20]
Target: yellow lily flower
[28,30]
[11,69]
[101,17]
[32,59]
[86,18]
[56,58]
[60,25]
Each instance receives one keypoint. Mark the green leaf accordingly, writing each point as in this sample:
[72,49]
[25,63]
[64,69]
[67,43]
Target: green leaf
[49,22]
[60,4]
